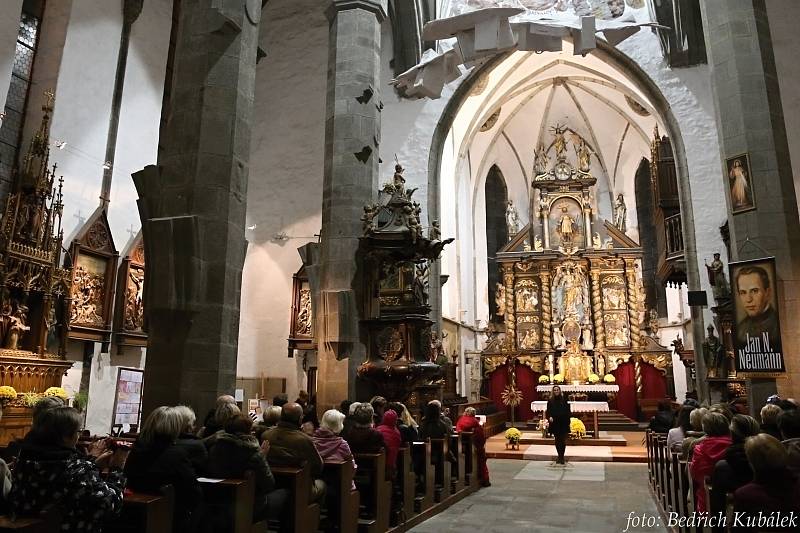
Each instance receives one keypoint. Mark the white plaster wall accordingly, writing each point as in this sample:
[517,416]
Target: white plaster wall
[285,187]
[10,12]
[783,16]
[688,92]
[103,384]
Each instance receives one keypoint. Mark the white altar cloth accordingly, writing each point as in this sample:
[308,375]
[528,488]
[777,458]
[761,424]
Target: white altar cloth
[575,407]
[580,388]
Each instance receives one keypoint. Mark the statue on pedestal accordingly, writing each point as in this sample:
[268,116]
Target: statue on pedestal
[540,160]
[566,226]
[584,156]
[716,276]
[713,352]
[620,210]
[512,220]
[500,299]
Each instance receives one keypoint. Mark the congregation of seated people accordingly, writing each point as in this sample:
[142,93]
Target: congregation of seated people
[756,465]
[86,482]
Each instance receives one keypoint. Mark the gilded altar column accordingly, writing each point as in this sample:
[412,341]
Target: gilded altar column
[547,341]
[597,312]
[633,307]
[511,326]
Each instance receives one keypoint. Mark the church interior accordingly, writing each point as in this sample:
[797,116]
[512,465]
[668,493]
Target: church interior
[546,242]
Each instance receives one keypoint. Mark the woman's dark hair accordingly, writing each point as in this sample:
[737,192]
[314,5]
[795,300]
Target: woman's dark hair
[394,406]
[239,425]
[57,424]
[682,420]
[344,407]
[743,426]
[44,405]
[432,412]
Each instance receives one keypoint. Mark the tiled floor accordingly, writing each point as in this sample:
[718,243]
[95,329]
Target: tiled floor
[583,497]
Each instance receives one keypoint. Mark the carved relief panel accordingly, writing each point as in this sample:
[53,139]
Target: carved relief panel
[615,311]
[527,298]
[129,326]
[94,261]
[301,326]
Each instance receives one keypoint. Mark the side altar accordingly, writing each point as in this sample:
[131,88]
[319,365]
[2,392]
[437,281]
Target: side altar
[571,306]
[34,290]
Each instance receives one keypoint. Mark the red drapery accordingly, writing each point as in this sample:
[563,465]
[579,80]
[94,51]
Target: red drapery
[527,380]
[654,383]
[626,397]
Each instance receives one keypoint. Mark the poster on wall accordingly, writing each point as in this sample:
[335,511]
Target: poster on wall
[757,335]
[128,401]
[740,183]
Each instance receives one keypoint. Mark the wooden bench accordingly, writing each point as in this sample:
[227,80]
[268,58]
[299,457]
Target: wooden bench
[470,454]
[442,467]
[405,482]
[423,492]
[375,490]
[342,500]
[302,514]
[48,522]
[230,504]
[457,472]
[144,513]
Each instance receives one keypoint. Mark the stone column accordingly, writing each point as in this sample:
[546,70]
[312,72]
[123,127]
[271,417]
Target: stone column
[750,120]
[192,207]
[352,137]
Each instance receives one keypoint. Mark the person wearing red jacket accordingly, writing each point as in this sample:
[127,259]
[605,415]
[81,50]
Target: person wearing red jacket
[391,439]
[469,422]
[707,451]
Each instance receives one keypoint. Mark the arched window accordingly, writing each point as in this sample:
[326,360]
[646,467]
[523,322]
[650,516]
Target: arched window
[496,231]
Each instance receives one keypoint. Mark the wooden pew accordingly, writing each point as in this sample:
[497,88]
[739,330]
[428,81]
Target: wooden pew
[421,456]
[442,467]
[342,499]
[144,513]
[48,522]
[470,454]
[406,479]
[375,490]
[457,479]
[231,502]
[302,514]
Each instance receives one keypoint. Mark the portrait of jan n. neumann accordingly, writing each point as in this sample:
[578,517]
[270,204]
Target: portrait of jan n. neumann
[758,333]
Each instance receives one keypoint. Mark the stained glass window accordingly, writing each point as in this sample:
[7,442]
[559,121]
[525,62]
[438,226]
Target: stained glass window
[11,130]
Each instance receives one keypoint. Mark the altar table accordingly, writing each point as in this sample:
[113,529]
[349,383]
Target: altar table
[578,407]
[580,388]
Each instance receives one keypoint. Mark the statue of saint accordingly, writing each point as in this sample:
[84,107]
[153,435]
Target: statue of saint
[435,232]
[584,156]
[398,180]
[566,226]
[500,299]
[16,328]
[596,243]
[716,276]
[712,353]
[560,143]
[540,160]
[587,343]
[537,244]
[558,339]
[620,210]
[512,220]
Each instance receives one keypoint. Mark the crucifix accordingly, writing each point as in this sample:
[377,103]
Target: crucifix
[132,232]
[81,219]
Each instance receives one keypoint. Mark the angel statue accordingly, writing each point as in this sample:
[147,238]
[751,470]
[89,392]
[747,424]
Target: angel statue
[512,220]
[540,160]
[583,154]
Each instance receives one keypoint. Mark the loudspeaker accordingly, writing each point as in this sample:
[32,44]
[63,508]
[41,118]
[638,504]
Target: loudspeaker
[698,299]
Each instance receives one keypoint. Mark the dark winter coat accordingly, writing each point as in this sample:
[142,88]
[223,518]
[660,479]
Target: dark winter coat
[151,467]
[232,455]
[61,476]
[195,449]
[290,446]
[560,412]
[363,439]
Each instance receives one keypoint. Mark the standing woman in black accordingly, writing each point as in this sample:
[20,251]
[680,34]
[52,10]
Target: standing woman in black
[558,413]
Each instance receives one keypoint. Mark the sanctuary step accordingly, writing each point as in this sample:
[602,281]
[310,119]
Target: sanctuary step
[606,439]
[607,421]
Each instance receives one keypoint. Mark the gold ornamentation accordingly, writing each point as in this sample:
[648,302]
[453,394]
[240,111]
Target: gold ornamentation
[492,362]
[633,305]
[544,276]
[637,368]
[527,294]
[574,365]
[390,301]
[661,360]
[134,293]
[97,238]
[597,312]
[534,362]
[508,281]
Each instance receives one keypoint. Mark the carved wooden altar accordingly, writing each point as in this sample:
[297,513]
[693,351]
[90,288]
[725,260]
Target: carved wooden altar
[301,323]
[573,303]
[33,289]
[93,258]
[129,327]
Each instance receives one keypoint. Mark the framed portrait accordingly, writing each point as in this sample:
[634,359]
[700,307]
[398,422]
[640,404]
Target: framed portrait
[740,183]
[757,331]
